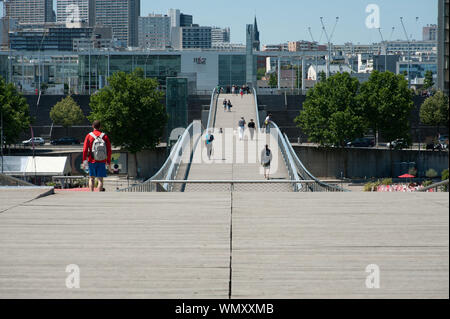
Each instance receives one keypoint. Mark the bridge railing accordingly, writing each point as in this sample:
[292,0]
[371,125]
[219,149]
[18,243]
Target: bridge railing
[258,123]
[237,185]
[212,110]
[306,175]
[182,149]
[436,187]
[273,129]
[296,169]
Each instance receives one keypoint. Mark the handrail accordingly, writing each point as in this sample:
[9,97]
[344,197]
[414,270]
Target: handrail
[257,109]
[292,170]
[169,169]
[435,185]
[306,175]
[212,110]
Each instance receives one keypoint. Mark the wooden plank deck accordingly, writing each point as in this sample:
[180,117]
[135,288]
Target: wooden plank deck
[177,245]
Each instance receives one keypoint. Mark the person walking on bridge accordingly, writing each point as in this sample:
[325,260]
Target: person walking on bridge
[96,155]
[266,158]
[241,125]
[251,127]
[209,138]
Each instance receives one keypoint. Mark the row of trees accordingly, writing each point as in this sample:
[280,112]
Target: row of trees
[339,108]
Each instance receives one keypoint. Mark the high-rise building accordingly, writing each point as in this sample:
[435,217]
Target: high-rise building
[154,31]
[74,10]
[219,35]
[122,16]
[429,32]
[195,37]
[186,20]
[30,11]
[443,39]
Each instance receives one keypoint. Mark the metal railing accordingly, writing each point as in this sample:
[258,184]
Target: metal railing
[296,169]
[212,110]
[441,186]
[273,129]
[306,175]
[182,149]
[258,123]
[236,185]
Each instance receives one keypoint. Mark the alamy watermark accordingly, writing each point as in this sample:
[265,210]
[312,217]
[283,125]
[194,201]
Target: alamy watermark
[373,19]
[373,279]
[73,279]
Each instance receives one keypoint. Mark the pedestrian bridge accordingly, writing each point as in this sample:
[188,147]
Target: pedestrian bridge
[234,163]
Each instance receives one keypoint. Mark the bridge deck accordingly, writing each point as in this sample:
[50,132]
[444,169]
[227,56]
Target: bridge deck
[177,245]
[232,158]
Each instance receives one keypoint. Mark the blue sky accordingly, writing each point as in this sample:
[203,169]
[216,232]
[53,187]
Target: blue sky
[288,20]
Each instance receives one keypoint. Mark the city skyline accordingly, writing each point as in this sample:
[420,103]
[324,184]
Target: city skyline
[351,26]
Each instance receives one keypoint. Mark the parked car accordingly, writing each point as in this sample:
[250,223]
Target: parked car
[65,141]
[443,140]
[398,144]
[36,140]
[361,142]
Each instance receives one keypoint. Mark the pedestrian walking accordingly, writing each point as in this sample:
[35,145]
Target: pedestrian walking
[96,155]
[267,121]
[241,92]
[209,138]
[224,104]
[251,127]
[241,125]
[266,158]
[229,105]
[233,88]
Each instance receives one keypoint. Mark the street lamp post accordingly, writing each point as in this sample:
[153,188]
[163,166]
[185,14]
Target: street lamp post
[329,38]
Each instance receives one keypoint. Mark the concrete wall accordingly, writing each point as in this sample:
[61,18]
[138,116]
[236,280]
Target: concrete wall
[361,163]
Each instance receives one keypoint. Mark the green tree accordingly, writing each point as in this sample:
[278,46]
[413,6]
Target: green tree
[331,113]
[67,113]
[130,111]
[273,81]
[322,76]
[428,81]
[434,110]
[387,104]
[260,73]
[15,111]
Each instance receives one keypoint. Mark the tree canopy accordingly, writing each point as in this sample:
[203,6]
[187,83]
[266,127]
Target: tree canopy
[434,110]
[387,103]
[130,110]
[331,113]
[67,113]
[273,80]
[15,112]
[428,81]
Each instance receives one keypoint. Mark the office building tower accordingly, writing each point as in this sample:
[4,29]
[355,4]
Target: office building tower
[30,11]
[219,35]
[154,31]
[74,10]
[122,16]
[429,32]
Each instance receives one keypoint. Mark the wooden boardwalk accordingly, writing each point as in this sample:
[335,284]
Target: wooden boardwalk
[178,245]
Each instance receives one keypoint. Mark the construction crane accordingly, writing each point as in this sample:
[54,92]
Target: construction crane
[329,38]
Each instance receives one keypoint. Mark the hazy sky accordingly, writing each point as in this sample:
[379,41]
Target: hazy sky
[288,20]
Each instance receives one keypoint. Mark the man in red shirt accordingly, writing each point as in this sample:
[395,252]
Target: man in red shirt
[96,155]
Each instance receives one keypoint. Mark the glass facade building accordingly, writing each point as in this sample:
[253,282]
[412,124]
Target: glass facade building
[232,70]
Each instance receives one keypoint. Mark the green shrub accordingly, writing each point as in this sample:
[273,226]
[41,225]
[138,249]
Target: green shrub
[386,181]
[431,173]
[372,186]
[444,174]
[50,184]
[412,171]
[426,183]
